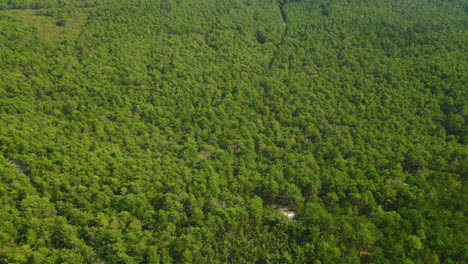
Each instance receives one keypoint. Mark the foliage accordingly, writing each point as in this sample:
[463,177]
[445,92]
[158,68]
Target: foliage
[171,131]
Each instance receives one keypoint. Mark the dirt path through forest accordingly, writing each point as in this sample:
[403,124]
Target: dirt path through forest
[284,18]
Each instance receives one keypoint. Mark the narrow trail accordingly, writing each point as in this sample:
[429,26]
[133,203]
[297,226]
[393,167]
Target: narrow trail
[284,19]
[16,166]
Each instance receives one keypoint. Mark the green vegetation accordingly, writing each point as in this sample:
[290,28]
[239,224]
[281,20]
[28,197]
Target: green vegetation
[48,26]
[160,131]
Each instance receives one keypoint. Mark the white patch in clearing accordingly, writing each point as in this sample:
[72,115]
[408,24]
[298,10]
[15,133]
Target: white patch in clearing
[289,214]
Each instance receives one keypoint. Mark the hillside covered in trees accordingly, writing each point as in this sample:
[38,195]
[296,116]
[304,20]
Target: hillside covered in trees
[173,131]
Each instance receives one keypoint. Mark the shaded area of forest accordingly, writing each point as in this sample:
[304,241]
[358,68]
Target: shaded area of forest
[171,131]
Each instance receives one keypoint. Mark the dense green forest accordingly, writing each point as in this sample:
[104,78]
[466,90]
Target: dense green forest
[174,131]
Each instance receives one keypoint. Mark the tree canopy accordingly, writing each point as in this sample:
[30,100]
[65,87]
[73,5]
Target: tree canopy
[174,131]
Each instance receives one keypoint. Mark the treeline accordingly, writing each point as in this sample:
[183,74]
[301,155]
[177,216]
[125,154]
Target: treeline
[38,4]
[172,131]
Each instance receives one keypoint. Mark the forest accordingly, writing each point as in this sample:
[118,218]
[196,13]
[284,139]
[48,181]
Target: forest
[179,131]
